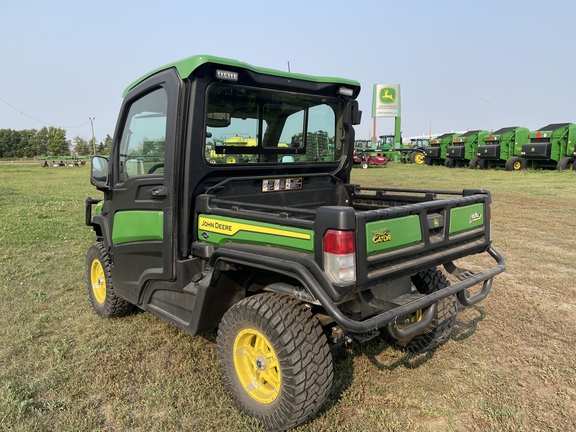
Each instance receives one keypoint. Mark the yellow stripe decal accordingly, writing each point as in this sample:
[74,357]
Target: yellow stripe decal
[231,228]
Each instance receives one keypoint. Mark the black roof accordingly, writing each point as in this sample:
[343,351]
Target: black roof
[553,126]
[504,130]
[446,135]
[469,133]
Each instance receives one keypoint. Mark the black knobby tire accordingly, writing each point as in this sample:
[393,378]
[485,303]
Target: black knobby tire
[566,163]
[274,359]
[100,287]
[474,163]
[449,163]
[439,330]
[483,164]
[515,163]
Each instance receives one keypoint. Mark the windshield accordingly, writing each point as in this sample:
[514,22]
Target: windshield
[250,126]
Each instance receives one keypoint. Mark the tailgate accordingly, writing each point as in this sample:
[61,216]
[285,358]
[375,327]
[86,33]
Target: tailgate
[418,232]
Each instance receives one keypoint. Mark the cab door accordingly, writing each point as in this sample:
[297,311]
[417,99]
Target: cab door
[142,197]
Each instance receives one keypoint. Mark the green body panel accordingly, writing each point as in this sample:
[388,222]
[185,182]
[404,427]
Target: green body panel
[561,136]
[137,225]
[443,141]
[510,140]
[219,230]
[470,140]
[186,66]
[466,218]
[387,235]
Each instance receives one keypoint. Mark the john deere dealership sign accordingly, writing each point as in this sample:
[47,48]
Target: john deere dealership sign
[386,100]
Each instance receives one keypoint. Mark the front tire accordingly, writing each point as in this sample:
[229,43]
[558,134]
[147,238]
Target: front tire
[438,332]
[274,360]
[100,287]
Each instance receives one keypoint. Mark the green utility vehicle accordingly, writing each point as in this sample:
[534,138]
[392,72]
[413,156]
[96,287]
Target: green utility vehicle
[277,250]
[435,154]
[464,149]
[551,146]
[502,148]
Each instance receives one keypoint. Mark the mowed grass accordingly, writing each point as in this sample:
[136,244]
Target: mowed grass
[510,364]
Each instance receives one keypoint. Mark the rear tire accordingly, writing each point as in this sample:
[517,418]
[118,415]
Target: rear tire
[417,158]
[100,287]
[274,360]
[439,330]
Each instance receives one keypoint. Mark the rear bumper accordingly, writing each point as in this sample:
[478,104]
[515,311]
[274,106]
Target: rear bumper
[300,267]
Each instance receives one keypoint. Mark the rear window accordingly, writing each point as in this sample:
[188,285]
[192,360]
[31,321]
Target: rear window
[249,126]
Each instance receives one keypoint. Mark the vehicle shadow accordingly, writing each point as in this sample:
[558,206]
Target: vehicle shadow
[385,355]
[467,322]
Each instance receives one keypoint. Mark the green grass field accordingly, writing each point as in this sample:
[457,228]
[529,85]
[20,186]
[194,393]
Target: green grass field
[510,364]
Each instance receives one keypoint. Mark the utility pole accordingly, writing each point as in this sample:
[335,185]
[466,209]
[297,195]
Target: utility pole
[93,139]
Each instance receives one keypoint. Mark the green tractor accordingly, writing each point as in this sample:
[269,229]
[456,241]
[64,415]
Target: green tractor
[417,153]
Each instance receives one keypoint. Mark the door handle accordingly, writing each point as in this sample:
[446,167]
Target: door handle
[160,192]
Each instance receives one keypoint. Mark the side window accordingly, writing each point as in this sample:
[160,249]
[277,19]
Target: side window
[144,136]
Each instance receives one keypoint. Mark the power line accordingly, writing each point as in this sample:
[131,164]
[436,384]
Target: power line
[40,121]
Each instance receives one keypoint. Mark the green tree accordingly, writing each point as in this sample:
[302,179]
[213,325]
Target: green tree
[9,143]
[104,147]
[54,140]
[28,143]
[81,146]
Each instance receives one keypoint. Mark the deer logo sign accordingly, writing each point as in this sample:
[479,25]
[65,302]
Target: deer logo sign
[387,95]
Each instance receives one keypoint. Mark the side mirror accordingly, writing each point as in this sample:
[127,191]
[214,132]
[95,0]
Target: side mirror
[99,172]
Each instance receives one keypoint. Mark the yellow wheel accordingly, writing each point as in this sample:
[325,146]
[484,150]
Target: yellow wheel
[438,331]
[257,366]
[274,359]
[98,281]
[100,288]
[414,318]
[419,158]
[230,159]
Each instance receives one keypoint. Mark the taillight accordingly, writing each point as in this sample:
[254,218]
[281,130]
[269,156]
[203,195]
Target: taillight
[340,256]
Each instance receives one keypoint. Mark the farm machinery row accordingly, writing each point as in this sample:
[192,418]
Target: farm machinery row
[513,148]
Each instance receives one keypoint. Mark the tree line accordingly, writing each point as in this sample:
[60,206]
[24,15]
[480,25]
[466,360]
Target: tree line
[46,142]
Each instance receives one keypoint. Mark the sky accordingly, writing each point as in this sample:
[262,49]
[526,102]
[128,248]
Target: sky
[462,65]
